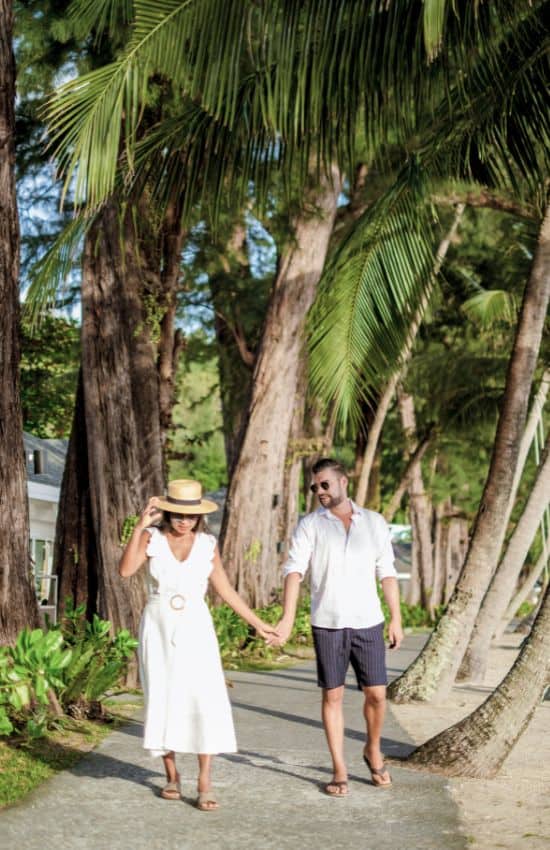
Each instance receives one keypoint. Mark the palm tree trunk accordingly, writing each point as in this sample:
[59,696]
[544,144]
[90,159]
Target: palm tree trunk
[527,586]
[478,745]
[504,581]
[436,667]
[386,398]
[413,462]
[420,513]
[18,606]
[252,520]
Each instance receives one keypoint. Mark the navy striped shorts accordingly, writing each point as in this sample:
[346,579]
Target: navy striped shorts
[364,648]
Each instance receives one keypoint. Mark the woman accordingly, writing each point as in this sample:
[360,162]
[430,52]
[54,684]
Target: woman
[186,704]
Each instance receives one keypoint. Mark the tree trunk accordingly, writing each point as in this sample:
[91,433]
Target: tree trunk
[389,390]
[527,586]
[420,513]
[457,549]
[478,744]
[75,556]
[121,404]
[533,420]
[413,462]
[252,519]
[436,667]
[504,581]
[18,606]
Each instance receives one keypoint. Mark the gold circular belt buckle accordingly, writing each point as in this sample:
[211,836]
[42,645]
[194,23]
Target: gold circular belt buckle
[177,602]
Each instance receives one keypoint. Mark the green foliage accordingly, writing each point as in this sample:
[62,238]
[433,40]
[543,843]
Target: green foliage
[97,661]
[238,644]
[50,357]
[127,527]
[74,663]
[29,671]
[197,448]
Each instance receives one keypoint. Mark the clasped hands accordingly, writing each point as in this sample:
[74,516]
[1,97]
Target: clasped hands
[275,635]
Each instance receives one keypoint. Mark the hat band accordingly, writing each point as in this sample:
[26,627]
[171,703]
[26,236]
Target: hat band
[183,501]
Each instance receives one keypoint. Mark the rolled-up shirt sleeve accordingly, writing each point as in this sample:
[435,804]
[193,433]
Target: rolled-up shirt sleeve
[301,548]
[385,559]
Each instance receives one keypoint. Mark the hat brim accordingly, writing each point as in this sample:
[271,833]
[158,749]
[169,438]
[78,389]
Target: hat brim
[204,507]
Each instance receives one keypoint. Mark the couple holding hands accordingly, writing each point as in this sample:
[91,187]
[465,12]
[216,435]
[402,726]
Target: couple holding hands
[187,709]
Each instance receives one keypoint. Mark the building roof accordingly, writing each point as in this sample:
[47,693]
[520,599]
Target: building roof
[51,460]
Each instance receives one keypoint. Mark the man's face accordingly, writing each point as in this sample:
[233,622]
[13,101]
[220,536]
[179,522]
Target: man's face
[331,488]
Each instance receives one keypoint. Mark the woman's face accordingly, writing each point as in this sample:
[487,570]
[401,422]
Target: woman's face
[183,523]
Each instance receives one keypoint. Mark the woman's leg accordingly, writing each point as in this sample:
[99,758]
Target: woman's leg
[204,782]
[169,760]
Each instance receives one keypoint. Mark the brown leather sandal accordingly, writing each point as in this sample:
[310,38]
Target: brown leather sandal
[378,771]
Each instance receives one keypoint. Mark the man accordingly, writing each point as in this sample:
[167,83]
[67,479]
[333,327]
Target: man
[348,548]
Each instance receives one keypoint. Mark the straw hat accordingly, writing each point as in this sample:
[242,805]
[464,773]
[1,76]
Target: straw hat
[185,497]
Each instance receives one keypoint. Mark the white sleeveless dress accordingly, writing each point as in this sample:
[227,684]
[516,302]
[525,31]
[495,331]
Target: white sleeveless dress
[187,708]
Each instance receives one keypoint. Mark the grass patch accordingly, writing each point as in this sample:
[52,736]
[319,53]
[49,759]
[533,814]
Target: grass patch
[24,766]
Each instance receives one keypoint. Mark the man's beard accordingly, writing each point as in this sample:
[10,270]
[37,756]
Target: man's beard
[332,501]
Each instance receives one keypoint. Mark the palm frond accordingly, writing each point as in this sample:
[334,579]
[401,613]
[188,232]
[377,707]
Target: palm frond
[49,274]
[369,294]
[491,306]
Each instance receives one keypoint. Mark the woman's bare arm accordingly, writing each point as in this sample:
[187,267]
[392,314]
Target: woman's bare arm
[222,586]
[134,553]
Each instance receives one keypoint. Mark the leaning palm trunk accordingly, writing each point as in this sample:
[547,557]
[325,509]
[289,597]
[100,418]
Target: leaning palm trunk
[478,745]
[527,586]
[18,606]
[420,514]
[388,393]
[251,529]
[436,667]
[474,663]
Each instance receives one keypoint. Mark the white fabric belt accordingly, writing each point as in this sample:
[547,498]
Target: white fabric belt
[176,600]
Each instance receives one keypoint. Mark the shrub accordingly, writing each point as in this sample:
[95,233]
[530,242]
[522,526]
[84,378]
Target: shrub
[69,667]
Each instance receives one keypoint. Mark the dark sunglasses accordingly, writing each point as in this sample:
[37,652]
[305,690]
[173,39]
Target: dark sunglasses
[324,485]
[184,516]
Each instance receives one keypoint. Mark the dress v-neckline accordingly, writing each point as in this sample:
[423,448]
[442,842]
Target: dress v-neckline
[174,556]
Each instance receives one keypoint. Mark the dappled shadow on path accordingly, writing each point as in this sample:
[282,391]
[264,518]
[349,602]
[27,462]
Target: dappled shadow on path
[397,749]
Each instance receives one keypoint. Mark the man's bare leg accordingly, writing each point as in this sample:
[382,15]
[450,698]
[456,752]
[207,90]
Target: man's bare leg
[333,722]
[374,712]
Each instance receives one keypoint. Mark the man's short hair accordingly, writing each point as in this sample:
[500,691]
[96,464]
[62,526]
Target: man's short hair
[328,463]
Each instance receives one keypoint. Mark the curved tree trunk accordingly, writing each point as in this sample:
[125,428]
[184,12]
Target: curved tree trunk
[436,667]
[504,581]
[252,520]
[527,586]
[478,745]
[18,606]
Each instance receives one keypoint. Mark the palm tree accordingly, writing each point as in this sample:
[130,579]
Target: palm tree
[478,745]
[251,103]
[18,607]
[436,667]
[503,583]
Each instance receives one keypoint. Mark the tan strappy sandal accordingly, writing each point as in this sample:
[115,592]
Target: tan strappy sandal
[171,791]
[207,802]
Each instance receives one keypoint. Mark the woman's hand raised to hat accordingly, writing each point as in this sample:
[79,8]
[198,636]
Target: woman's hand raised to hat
[151,514]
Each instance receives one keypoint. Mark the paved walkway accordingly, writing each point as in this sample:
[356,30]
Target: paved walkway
[269,792]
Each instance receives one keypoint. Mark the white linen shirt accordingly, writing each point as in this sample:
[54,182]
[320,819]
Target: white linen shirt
[344,566]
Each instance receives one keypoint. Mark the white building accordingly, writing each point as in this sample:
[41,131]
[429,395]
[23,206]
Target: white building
[45,463]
